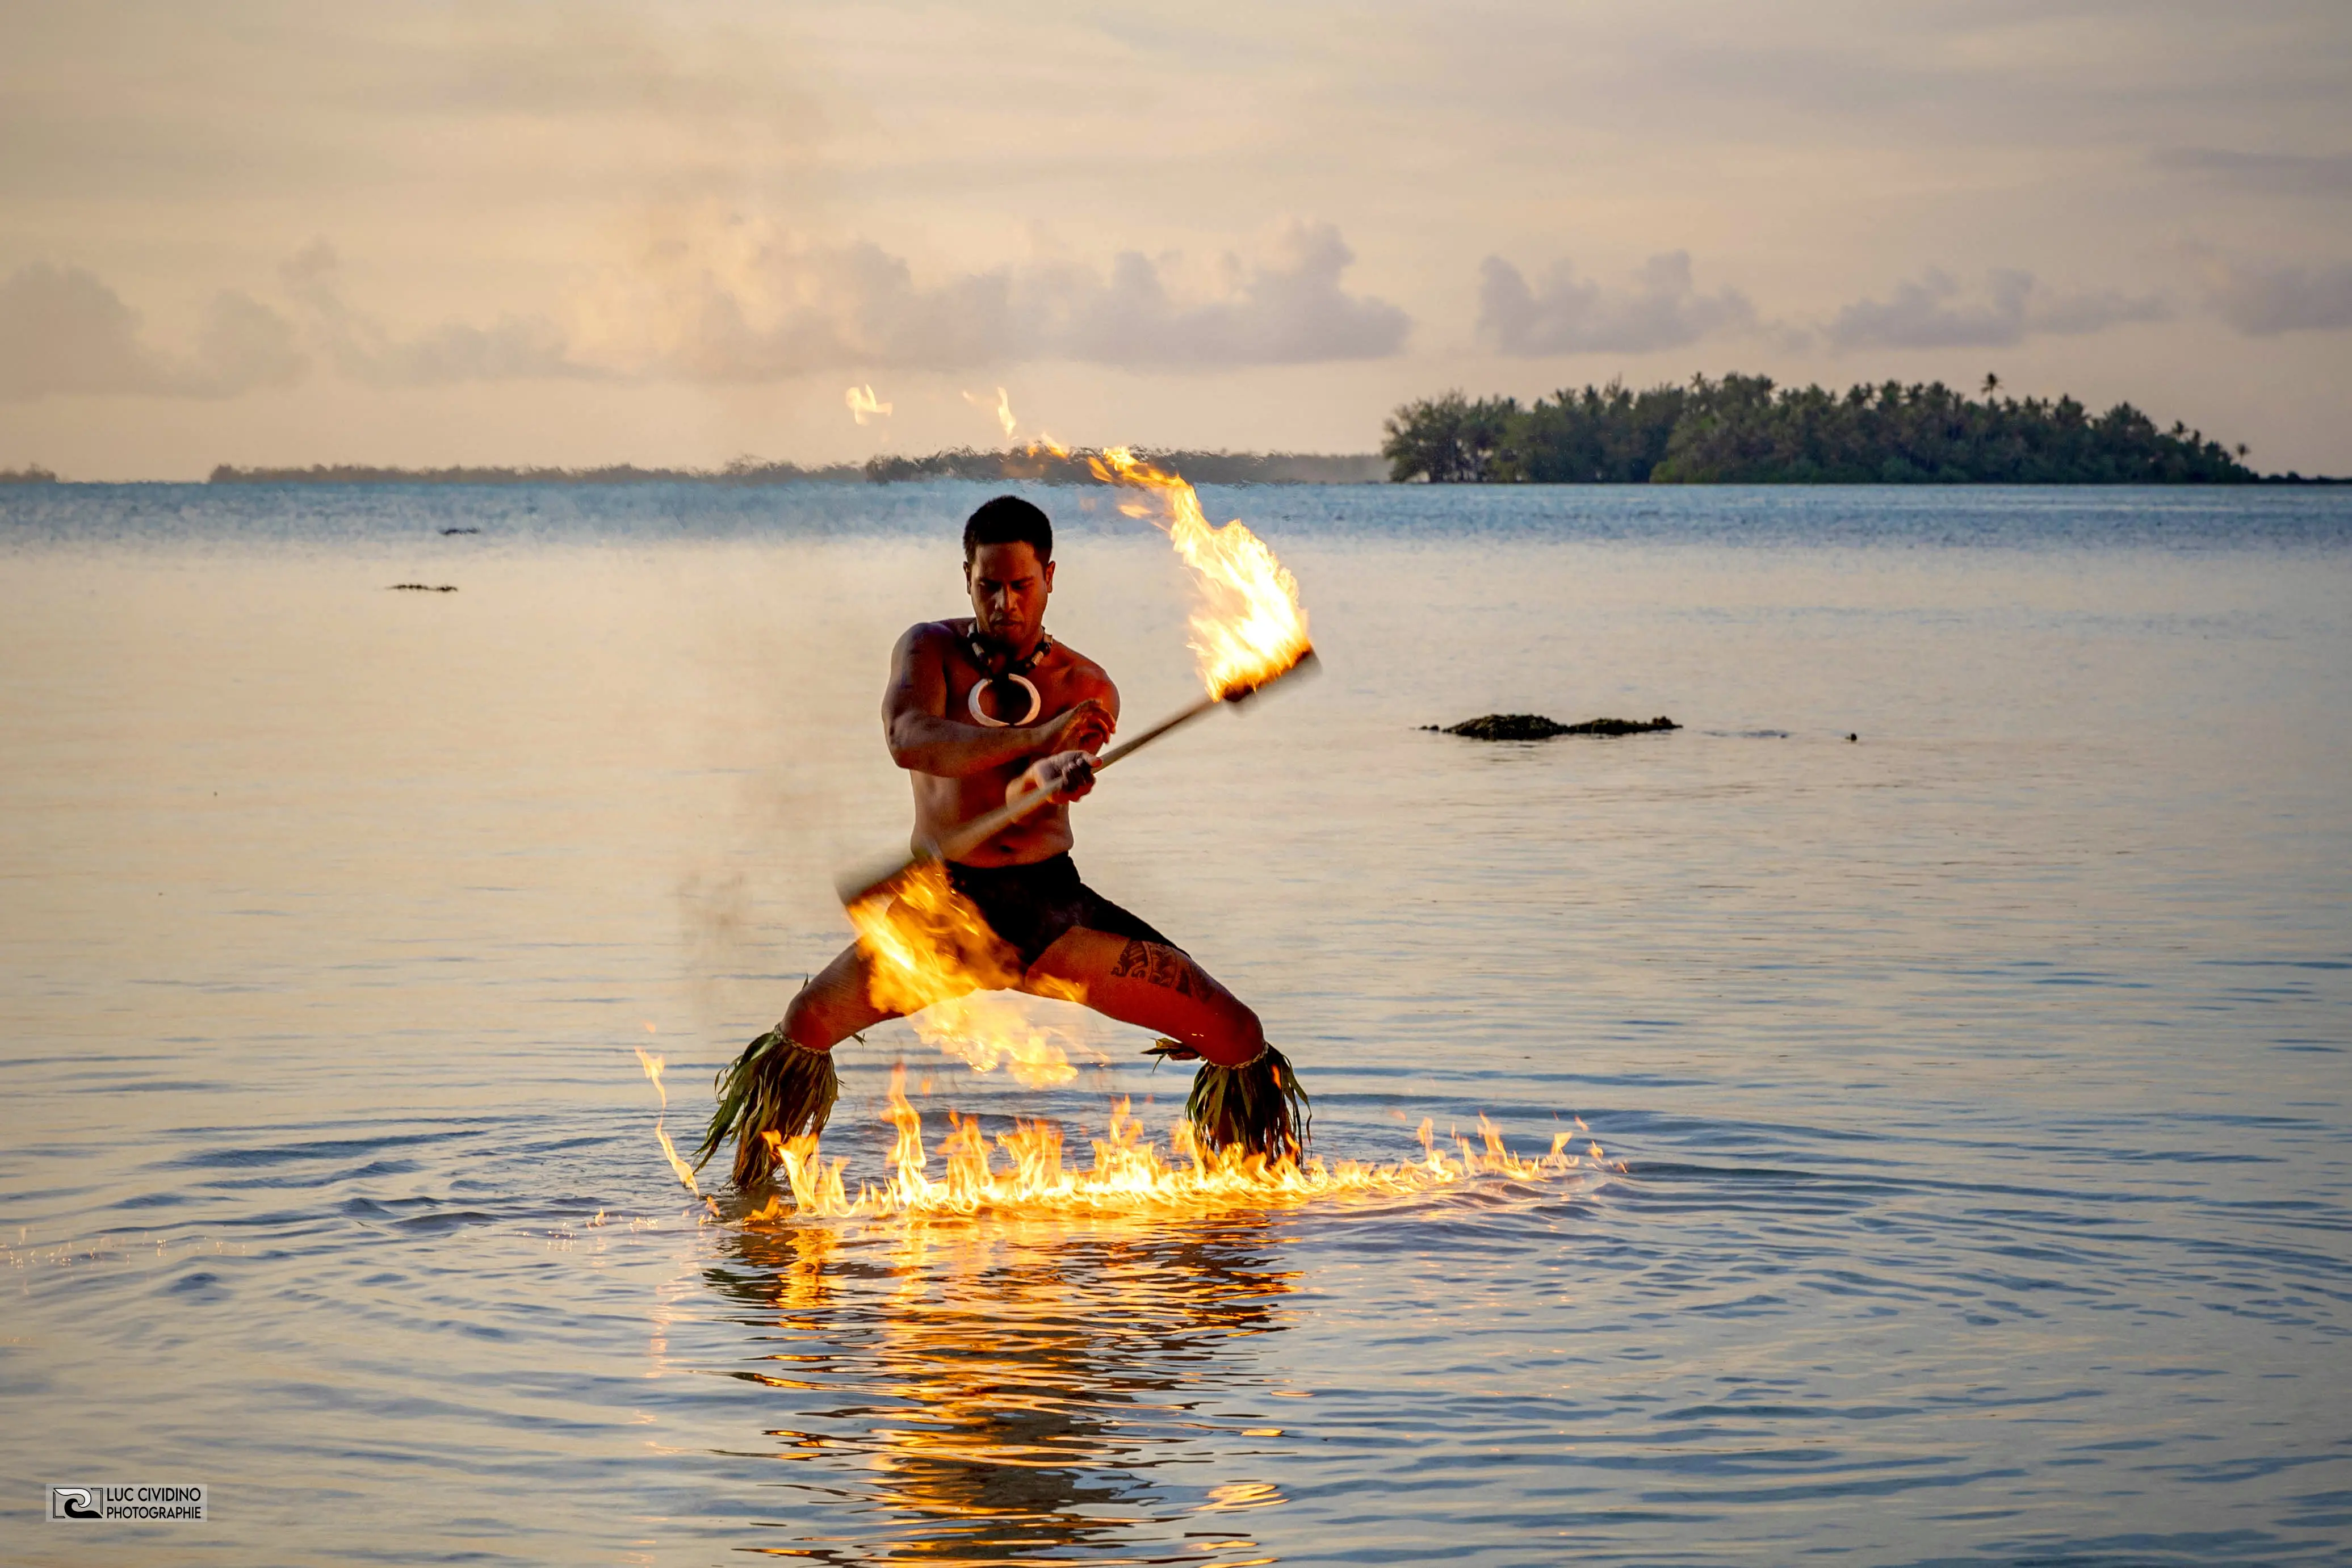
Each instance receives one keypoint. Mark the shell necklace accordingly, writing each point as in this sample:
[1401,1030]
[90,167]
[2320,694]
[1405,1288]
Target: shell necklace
[1016,672]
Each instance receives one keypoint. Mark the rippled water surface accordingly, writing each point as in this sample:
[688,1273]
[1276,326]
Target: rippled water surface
[1980,1083]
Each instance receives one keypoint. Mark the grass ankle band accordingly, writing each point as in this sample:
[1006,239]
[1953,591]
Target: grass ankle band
[1257,1107]
[777,1085]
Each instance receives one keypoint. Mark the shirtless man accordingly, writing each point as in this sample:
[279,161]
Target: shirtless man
[988,709]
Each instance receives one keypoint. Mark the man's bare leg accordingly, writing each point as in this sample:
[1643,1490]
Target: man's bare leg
[836,1003]
[1151,985]
[784,1086]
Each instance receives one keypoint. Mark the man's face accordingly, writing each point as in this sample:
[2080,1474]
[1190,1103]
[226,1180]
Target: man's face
[1009,587]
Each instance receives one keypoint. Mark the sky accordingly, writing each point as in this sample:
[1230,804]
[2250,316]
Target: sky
[510,232]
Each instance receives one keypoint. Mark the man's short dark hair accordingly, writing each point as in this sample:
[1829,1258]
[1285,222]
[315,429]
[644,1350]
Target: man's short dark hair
[1009,519]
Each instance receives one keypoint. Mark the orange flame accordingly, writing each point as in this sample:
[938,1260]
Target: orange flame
[1248,627]
[1002,410]
[864,407]
[931,955]
[1128,1173]
[653,1066]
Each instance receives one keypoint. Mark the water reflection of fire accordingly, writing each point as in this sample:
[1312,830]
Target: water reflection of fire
[1128,1173]
[1000,1395]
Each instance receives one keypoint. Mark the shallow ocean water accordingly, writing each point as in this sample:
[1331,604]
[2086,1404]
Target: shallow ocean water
[1981,1084]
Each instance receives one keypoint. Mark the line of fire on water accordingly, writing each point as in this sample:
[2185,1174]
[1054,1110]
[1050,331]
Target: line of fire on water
[1024,1173]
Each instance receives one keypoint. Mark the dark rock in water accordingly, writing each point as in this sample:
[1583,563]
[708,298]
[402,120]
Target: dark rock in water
[1622,726]
[424,587]
[1505,727]
[1536,727]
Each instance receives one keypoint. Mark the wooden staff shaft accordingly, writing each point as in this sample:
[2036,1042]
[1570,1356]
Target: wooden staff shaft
[980,830]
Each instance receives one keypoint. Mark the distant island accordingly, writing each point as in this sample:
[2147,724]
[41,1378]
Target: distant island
[1201,467]
[1740,429]
[962,463]
[741,471]
[1743,429]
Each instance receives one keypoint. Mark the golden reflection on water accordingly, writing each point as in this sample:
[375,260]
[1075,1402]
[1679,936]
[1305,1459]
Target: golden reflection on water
[1011,1387]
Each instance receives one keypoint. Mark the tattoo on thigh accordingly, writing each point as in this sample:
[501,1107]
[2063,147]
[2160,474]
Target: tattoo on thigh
[1155,965]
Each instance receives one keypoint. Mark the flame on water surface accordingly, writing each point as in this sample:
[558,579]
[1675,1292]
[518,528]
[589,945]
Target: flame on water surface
[653,1066]
[931,955]
[1128,1173]
[864,405]
[1248,627]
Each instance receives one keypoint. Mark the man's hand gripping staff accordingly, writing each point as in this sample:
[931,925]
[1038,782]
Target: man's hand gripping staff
[1068,775]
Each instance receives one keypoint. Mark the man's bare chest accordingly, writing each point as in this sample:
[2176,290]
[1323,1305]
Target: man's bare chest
[1045,690]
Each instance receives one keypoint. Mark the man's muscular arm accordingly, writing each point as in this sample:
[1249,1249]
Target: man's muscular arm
[924,740]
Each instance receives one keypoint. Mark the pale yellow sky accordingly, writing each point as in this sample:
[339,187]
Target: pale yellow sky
[572,234]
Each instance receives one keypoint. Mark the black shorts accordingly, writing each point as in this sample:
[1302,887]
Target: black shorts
[1031,906]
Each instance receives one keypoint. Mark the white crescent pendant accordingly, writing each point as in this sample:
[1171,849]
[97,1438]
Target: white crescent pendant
[971,701]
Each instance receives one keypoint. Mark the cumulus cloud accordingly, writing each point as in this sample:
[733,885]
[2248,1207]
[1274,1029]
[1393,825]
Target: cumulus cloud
[1288,307]
[63,331]
[1661,308]
[361,347]
[740,305]
[2263,300]
[1935,312]
[735,305]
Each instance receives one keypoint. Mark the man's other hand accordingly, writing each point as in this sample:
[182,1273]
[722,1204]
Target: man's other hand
[1064,775]
[1083,728]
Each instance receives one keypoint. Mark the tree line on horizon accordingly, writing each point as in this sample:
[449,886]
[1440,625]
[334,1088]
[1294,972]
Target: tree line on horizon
[888,468]
[1742,429]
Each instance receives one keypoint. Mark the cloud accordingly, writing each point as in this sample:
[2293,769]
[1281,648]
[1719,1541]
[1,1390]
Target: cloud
[360,346]
[2263,300]
[2290,173]
[1660,309]
[62,330]
[740,305]
[743,307]
[1933,313]
[1287,308]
